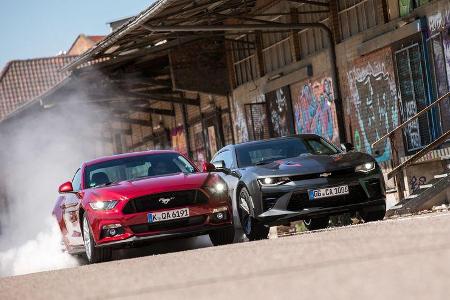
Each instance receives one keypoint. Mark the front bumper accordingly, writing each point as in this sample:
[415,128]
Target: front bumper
[133,227]
[290,202]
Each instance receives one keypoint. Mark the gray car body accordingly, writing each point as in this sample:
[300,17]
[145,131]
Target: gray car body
[237,177]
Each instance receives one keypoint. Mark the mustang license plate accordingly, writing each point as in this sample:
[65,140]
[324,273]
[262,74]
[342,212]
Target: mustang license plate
[168,215]
[328,192]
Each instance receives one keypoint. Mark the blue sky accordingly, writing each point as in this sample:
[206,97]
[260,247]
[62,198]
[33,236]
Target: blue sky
[40,28]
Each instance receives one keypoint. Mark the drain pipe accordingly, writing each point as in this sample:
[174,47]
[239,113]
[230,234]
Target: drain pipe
[270,27]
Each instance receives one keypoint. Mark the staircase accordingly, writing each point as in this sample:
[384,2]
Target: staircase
[435,192]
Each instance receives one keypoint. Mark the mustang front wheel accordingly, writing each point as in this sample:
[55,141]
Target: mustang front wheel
[222,236]
[253,229]
[93,254]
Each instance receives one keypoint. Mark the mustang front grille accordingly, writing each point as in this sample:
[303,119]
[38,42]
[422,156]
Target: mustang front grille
[165,200]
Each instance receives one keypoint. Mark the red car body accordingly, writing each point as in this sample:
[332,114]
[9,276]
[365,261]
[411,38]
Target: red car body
[136,199]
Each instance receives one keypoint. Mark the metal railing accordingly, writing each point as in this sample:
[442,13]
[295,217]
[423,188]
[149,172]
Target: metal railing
[436,143]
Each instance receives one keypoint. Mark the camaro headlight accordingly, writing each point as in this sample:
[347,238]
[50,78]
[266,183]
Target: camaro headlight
[268,181]
[366,167]
[103,205]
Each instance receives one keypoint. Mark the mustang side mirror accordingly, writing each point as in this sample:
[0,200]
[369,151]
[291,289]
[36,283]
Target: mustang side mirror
[208,167]
[66,187]
[347,147]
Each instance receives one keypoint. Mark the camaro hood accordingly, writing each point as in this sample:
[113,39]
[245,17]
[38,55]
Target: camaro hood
[150,185]
[310,164]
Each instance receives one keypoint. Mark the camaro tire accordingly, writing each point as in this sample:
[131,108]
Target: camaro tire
[316,223]
[93,254]
[222,236]
[252,228]
[373,215]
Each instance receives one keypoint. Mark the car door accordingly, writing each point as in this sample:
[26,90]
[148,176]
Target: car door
[70,206]
[228,157]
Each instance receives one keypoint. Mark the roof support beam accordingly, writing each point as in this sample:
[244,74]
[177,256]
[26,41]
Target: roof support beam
[149,110]
[311,2]
[131,121]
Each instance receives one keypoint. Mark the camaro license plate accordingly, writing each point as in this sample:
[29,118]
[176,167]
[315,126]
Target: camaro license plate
[168,215]
[328,192]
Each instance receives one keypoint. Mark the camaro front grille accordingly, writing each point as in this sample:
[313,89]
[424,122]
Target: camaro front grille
[165,201]
[168,225]
[342,173]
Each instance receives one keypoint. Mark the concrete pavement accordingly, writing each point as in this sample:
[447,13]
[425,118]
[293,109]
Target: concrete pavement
[406,258]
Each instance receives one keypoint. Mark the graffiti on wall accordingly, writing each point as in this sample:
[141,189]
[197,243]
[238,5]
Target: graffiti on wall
[373,102]
[240,123]
[439,21]
[279,106]
[314,108]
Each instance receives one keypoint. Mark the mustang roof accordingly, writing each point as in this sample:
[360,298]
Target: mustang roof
[125,155]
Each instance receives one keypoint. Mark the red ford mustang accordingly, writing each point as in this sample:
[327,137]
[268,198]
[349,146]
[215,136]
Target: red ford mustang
[121,200]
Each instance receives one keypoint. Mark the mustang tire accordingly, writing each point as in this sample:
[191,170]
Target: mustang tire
[253,229]
[317,223]
[222,236]
[93,254]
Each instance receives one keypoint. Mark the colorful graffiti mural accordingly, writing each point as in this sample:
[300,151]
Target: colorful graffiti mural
[373,102]
[314,108]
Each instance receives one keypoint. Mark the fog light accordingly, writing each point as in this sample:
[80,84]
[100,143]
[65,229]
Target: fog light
[220,216]
[220,209]
[112,232]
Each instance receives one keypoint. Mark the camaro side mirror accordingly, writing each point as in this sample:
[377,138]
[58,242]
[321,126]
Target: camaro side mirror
[66,187]
[208,167]
[219,165]
[347,147]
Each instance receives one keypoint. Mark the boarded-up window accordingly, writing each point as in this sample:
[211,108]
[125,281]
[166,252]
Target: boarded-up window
[410,76]
[356,16]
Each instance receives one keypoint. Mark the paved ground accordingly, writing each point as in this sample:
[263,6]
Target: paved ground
[399,259]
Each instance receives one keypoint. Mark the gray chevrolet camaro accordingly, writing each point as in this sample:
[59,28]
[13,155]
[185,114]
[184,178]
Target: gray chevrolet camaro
[301,177]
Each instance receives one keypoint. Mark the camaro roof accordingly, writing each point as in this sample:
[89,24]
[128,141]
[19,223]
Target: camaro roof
[125,155]
[302,135]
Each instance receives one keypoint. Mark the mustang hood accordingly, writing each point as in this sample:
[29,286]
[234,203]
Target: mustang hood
[310,164]
[151,185]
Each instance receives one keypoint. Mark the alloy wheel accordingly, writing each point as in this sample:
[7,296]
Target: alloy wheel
[87,238]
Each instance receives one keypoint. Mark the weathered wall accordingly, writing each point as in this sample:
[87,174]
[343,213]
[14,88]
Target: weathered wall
[371,102]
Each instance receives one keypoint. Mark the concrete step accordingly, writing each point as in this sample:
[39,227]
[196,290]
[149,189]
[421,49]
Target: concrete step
[436,192]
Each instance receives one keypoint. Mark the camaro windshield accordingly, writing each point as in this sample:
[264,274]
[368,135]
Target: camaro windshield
[265,152]
[135,167]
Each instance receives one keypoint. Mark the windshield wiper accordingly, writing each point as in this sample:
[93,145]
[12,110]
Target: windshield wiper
[263,162]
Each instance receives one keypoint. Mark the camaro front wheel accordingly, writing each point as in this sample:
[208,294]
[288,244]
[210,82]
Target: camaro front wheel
[253,229]
[93,254]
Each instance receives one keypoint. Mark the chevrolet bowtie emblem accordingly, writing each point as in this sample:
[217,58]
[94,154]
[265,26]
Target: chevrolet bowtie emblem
[165,201]
[325,174]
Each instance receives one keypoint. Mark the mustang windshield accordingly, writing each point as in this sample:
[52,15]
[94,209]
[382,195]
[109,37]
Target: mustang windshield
[265,152]
[135,167]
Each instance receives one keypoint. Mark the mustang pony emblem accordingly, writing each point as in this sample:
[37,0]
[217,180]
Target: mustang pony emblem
[165,201]
[325,174]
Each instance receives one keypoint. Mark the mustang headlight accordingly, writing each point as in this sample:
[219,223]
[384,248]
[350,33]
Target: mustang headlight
[103,205]
[270,181]
[366,167]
